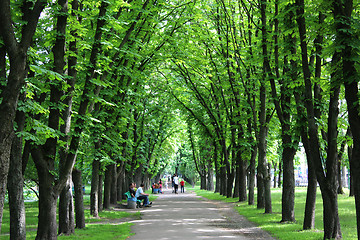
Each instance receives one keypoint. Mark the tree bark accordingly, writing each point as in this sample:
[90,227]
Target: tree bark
[309,216]
[288,192]
[100,194]
[66,211]
[280,175]
[113,191]
[47,227]
[223,180]
[264,176]
[94,197]
[275,175]
[217,178]
[2,66]
[79,199]
[16,185]
[252,167]
[107,187]
[242,180]
[262,173]
[210,177]
[203,181]
[237,180]
[351,186]
[120,183]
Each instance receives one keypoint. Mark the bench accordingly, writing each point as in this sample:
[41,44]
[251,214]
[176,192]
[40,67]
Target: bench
[132,202]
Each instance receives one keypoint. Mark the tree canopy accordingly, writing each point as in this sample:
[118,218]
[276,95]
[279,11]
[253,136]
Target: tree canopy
[219,89]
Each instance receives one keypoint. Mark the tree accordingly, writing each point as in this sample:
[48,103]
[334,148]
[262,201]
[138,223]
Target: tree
[326,181]
[17,53]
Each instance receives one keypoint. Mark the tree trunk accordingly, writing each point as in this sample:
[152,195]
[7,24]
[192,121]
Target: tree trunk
[47,227]
[309,216]
[210,178]
[15,192]
[356,181]
[340,182]
[138,175]
[223,180]
[120,184]
[351,181]
[79,199]
[330,186]
[252,176]
[113,191]
[262,145]
[235,158]
[288,191]
[7,116]
[100,193]
[331,216]
[16,184]
[203,181]
[344,176]
[107,187]
[350,78]
[275,175]
[237,180]
[230,183]
[217,169]
[94,193]
[268,206]
[340,172]
[217,183]
[66,210]
[280,175]
[260,189]
[242,180]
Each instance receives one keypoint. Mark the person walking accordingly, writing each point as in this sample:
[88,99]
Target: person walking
[176,183]
[182,186]
[172,183]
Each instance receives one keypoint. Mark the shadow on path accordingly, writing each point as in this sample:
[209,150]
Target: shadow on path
[187,216]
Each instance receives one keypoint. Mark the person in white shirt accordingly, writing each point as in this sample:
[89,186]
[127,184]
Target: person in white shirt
[176,183]
[143,196]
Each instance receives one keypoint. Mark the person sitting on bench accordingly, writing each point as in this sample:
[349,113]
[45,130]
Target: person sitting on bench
[131,190]
[140,195]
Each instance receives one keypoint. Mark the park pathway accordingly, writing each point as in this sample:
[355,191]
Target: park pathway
[187,216]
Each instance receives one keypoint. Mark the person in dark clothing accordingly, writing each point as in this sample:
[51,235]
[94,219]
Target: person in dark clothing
[172,183]
[131,190]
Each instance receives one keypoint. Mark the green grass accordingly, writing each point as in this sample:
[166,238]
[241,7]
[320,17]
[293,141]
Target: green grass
[101,231]
[92,231]
[31,217]
[108,215]
[286,231]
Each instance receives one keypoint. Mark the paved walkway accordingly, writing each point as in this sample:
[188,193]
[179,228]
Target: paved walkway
[187,216]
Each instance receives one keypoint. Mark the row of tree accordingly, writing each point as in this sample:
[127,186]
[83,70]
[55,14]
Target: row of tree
[79,100]
[280,70]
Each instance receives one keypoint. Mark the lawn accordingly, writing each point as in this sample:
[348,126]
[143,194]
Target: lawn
[96,228]
[286,231]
